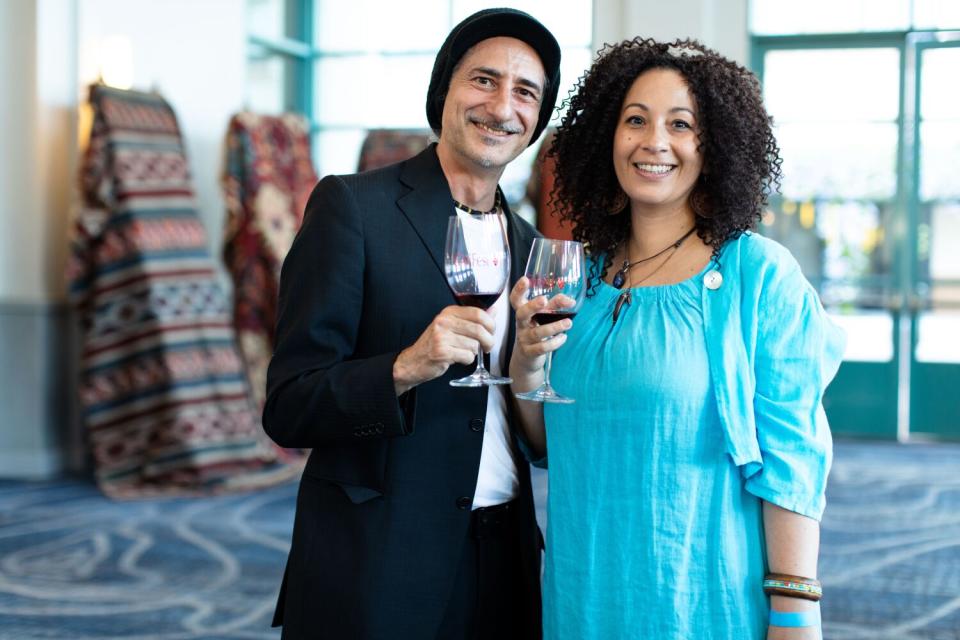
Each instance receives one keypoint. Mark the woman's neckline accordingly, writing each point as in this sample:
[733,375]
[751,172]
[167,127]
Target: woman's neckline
[653,287]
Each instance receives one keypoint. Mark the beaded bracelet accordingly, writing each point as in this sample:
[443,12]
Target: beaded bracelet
[782,584]
[809,618]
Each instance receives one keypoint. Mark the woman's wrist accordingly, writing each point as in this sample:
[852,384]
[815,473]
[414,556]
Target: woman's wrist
[785,603]
[525,379]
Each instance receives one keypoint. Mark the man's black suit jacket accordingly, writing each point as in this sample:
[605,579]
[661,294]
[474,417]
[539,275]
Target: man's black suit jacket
[384,502]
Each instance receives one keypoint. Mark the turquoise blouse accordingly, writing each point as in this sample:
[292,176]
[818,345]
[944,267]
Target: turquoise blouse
[695,405]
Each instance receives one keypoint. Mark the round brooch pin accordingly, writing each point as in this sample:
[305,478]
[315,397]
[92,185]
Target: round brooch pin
[713,279]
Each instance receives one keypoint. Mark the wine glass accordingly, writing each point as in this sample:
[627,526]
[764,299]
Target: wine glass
[555,267]
[477,264]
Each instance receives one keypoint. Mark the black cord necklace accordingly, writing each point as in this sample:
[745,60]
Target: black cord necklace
[477,212]
[621,276]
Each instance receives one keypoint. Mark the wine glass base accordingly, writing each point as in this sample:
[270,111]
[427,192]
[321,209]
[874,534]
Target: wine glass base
[544,394]
[480,380]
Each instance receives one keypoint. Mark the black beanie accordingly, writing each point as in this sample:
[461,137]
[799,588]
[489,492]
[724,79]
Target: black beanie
[492,23]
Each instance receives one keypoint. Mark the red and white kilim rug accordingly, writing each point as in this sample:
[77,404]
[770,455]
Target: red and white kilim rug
[165,399]
[269,176]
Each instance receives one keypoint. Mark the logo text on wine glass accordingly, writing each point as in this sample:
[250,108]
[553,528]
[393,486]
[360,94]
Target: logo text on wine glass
[477,261]
[551,282]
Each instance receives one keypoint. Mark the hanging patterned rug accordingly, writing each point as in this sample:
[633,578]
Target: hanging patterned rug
[164,397]
[269,176]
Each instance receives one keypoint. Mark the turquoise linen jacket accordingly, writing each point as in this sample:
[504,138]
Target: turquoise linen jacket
[772,352]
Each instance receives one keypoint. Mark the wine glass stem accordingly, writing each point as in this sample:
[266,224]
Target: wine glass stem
[480,368]
[546,370]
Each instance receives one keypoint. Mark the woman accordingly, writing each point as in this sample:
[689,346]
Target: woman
[693,464]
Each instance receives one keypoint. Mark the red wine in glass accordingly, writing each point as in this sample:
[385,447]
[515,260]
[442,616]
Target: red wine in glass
[548,317]
[479,300]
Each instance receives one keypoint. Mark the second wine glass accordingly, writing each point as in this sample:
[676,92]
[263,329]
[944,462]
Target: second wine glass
[554,267]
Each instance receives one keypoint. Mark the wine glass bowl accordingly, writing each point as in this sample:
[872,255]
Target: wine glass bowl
[555,269]
[477,266]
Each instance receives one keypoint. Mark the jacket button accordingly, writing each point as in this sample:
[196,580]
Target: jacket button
[476,425]
[464,502]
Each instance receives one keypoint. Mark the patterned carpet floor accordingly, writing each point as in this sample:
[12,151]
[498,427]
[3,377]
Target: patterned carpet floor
[74,565]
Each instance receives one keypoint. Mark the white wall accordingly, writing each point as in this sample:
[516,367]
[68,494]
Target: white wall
[22,254]
[719,24]
[194,53]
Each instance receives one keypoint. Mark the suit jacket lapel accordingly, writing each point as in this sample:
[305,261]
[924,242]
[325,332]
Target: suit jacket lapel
[428,204]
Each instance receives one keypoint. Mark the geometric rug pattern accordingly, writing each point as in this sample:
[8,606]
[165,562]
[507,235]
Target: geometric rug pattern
[75,565]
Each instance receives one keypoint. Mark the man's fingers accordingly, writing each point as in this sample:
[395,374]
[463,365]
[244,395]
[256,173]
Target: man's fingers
[470,315]
[458,326]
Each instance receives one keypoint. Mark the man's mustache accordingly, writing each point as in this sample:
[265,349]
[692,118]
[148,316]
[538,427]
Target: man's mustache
[497,125]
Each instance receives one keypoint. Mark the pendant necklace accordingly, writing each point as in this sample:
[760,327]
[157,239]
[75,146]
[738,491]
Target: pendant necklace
[621,276]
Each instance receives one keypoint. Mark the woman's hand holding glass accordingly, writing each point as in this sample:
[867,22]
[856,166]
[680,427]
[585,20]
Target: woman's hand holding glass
[535,341]
[546,299]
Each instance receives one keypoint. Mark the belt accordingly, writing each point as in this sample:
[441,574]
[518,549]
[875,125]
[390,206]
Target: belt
[486,522]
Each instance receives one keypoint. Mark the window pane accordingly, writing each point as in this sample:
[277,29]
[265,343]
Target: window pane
[869,335]
[832,84]
[275,19]
[937,336]
[852,235]
[828,16]
[838,160]
[943,234]
[271,82]
[939,160]
[338,151]
[940,124]
[936,14]
[373,91]
[570,21]
[573,64]
[940,91]
[375,26]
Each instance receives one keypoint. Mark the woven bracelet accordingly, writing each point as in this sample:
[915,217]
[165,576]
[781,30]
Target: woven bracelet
[792,586]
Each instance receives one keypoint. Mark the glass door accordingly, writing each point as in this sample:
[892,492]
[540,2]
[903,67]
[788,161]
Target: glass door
[836,111]
[935,205]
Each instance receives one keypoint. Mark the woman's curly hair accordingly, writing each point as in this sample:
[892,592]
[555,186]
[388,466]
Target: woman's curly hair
[741,160]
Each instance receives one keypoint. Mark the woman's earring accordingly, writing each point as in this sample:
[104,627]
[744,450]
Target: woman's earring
[619,203]
[700,203]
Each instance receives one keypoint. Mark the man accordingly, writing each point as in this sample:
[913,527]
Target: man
[415,516]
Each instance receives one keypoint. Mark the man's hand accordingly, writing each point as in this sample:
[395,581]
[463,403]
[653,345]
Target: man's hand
[453,336]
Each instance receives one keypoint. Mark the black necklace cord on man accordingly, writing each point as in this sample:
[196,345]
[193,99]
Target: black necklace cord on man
[476,212]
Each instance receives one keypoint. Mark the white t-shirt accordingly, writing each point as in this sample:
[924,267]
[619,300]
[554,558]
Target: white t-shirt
[497,478]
